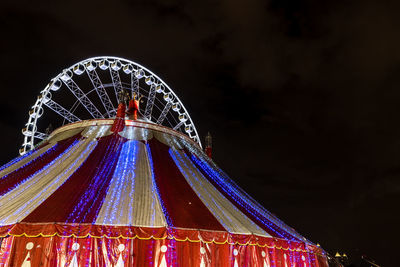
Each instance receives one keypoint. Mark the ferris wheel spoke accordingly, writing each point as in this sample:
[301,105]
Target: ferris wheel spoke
[101,91]
[164,113]
[134,83]
[178,125]
[61,111]
[150,102]
[116,80]
[83,99]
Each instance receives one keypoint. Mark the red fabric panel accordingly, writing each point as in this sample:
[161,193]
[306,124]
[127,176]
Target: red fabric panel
[11,180]
[5,250]
[80,198]
[83,230]
[102,251]
[119,121]
[5,229]
[183,207]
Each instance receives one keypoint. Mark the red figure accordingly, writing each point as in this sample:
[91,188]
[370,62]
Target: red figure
[134,106]
[119,122]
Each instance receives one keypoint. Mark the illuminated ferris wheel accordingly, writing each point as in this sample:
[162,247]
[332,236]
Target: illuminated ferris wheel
[90,89]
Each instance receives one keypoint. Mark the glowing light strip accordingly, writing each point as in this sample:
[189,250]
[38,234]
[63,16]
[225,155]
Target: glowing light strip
[136,133]
[228,186]
[41,185]
[145,198]
[90,196]
[122,183]
[13,161]
[242,194]
[132,172]
[24,160]
[238,199]
[40,171]
[227,214]
[155,188]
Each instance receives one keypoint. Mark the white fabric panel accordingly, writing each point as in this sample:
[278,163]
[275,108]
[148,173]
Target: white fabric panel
[18,203]
[25,160]
[231,218]
[101,130]
[82,125]
[136,133]
[145,134]
[131,197]
[64,135]
[240,193]
[168,139]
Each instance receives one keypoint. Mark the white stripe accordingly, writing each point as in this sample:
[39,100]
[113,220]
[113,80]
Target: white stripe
[169,140]
[25,160]
[131,198]
[144,134]
[64,135]
[58,137]
[135,133]
[230,217]
[100,130]
[18,203]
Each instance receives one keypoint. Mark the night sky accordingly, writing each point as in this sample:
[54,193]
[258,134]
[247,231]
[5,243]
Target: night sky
[301,97]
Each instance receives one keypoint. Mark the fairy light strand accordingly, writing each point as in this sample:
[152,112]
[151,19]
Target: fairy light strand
[47,169]
[241,201]
[87,200]
[167,217]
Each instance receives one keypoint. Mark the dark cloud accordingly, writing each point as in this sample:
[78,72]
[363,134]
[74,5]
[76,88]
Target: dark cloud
[306,91]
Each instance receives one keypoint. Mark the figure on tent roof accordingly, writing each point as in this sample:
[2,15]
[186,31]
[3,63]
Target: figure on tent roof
[133,107]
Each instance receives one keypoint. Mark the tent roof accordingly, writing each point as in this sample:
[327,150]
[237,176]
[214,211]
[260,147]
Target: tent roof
[145,176]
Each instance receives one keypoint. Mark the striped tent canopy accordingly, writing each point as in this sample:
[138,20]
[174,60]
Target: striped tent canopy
[143,196]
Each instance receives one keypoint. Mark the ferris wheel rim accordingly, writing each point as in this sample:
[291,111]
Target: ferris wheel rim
[45,95]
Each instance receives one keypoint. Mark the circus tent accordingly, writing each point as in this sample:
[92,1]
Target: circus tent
[144,196]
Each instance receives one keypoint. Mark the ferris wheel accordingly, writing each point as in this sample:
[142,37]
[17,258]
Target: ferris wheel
[90,88]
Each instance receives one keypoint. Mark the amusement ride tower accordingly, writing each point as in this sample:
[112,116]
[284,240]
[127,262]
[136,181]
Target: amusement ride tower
[124,181]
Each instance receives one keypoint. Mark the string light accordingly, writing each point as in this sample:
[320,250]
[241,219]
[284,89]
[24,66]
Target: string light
[172,257]
[18,159]
[218,174]
[87,200]
[56,181]
[229,190]
[119,185]
[155,188]
[226,213]
[24,167]
[215,213]
[273,221]
[9,189]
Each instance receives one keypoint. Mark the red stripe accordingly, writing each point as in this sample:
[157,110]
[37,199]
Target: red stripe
[183,207]
[8,182]
[80,198]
